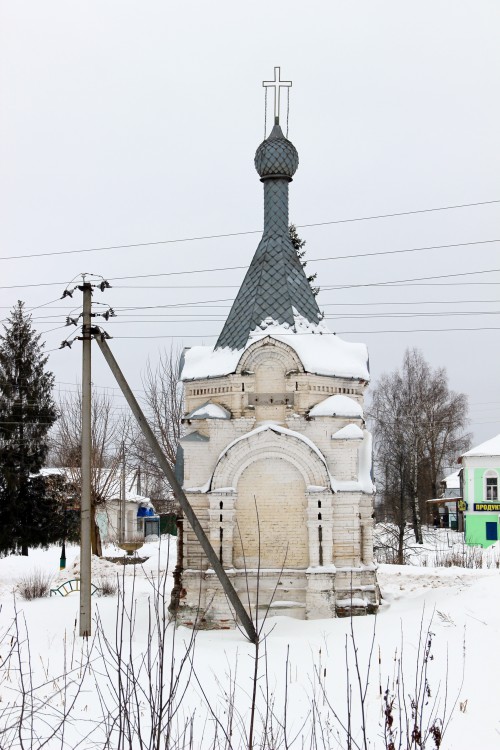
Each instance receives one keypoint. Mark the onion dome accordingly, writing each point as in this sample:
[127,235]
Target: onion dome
[276,157]
[275,290]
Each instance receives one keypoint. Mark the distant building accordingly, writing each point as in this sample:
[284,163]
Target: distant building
[131,521]
[479,489]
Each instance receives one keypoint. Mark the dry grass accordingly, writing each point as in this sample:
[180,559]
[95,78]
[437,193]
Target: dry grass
[442,548]
[463,556]
[107,586]
[34,585]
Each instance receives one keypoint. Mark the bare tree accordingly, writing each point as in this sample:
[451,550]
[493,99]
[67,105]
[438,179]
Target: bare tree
[165,408]
[109,431]
[419,427]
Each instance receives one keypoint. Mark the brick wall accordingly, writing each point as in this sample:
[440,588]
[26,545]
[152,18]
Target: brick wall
[280,474]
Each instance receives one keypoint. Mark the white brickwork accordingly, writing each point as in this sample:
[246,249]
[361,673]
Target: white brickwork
[265,497]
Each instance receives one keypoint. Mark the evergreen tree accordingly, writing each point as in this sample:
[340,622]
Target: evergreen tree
[299,245]
[27,411]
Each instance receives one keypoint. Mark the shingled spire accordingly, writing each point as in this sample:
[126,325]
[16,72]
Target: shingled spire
[275,289]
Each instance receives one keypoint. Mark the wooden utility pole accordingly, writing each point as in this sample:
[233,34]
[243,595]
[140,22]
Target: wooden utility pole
[86,501]
[209,551]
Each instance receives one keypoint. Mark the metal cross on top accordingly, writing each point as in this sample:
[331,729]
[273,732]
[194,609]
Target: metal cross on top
[277,84]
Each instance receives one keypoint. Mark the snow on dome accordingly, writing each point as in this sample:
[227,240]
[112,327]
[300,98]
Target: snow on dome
[349,432]
[320,351]
[209,411]
[489,448]
[337,406]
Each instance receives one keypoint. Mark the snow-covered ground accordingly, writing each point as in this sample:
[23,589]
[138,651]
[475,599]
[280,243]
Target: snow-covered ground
[301,686]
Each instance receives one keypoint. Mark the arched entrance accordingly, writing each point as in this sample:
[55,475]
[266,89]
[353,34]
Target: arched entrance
[271,524]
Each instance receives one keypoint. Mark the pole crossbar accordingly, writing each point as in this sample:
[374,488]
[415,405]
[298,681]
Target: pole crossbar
[209,551]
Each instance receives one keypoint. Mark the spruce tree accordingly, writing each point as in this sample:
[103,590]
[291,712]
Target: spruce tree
[27,412]
[298,244]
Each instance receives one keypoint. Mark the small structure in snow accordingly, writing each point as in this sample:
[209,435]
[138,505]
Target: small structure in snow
[128,518]
[129,523]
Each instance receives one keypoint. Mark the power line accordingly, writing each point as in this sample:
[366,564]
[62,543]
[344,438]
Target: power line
[421,278]
[327,304]
[310,260]
[407,250]
[339,333]
[331,315]
[30,309]
[338,316]
[251,231]
[119,309]
[236,286]
[393,284]
[324,287]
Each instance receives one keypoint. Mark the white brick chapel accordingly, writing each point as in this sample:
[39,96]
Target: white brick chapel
[276,460]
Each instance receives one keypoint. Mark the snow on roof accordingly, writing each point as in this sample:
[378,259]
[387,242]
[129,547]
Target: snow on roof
[365,454]
[337,406]
[209,411]
[489,448]
[52,471]
[320,351]
[452,481]
[349,432]
[364,483]
[145,502]
[113,483]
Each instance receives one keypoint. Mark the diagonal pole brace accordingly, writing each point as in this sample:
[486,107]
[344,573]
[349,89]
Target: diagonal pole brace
[209,551]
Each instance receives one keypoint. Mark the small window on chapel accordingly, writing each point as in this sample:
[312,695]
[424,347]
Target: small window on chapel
[491,489]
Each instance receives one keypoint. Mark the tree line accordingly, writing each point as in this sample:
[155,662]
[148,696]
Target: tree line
[39,506]
[419,428]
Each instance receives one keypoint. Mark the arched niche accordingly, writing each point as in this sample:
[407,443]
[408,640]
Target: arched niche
[271,516]
[271,472]
[269,362]
[269,442]
[269,349]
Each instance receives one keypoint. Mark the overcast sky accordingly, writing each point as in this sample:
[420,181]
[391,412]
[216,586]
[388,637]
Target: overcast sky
[133,122]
